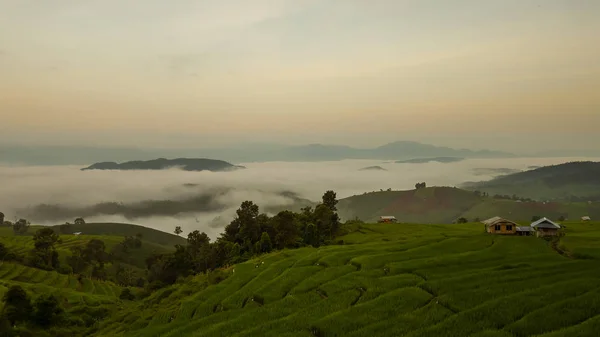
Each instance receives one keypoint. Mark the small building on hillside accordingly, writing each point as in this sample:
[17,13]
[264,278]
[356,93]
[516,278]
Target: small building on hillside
[545,227]
[586,218]
[387,219]
[498,225]
[525,230]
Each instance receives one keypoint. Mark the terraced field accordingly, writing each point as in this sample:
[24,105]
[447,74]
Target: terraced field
[391,280]
[23,244]
[67,287]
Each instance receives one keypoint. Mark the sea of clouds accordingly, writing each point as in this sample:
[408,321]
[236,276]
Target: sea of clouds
[22,188]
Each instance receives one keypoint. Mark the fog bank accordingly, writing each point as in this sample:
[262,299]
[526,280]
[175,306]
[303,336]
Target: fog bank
[165,199]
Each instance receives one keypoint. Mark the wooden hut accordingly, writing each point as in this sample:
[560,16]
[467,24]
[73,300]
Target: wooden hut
[498,225]
[545,227]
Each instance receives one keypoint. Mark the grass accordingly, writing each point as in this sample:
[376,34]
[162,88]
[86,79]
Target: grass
[152,242]
[386,280]
[434,205]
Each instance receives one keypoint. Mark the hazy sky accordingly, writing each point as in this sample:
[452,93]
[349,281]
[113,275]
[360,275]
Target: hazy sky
[175,73]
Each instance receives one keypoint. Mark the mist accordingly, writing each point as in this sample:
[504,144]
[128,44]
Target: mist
[206,201]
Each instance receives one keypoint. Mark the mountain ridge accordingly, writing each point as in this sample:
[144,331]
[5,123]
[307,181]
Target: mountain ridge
[83,155]
[186,164]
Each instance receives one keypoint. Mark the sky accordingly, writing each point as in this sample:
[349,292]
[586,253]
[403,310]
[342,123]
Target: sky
[499,74]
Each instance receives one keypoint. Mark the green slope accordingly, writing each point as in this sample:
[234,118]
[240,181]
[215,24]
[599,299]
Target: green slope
[569,181]
[390,280]
[446,204]
[122,229]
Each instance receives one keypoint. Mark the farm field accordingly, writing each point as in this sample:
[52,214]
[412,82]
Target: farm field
[22,244]
[390,280]
[434,205]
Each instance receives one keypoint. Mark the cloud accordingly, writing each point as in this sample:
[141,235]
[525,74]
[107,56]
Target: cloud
[208,196]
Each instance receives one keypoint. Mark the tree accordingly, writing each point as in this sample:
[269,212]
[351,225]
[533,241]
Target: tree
[329,200]
[420,185]
[17,305]
[326,221]
[66,228]
[44,254]
[462,220]
[79,221]
[178,230]
[196,239]
[562,218]
[1,218]
[245,226]
[286,228]
[265,243]
[76,261]
[21,226]
[127,295]
[47,311]
[311,237]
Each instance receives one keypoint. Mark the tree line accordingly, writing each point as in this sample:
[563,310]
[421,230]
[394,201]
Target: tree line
[249,234]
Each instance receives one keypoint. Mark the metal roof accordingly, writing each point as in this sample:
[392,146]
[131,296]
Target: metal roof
[524,229]
[496,219]
[545,223]
[387,217]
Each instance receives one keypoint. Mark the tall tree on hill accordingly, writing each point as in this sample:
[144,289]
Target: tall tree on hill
[178,230]
[76,260]
[79,221]
[311,237]
[287,229]
[21,227]
[47,311]
[265,243]
[200,251]
[245,226]
[330,200]
[17,305]
[44,254]
[326,222]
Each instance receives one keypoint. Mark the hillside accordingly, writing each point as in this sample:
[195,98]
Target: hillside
[569,181]
[186,164]
[446,204]
[389,280]
[121,229]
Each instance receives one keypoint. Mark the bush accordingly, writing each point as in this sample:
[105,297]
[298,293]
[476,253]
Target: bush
[216,276]
[127,295]
[65,270]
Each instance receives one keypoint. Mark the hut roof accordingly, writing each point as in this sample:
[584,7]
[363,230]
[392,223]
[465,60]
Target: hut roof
[544,223]
[495,220]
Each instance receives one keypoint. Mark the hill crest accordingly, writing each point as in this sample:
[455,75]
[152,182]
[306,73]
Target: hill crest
[186,164]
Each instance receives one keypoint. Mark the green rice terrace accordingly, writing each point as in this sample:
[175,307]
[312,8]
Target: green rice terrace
[382,280]
[385,280]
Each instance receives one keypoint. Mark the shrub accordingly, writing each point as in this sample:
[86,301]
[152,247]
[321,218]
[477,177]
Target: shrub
[65,270]
[216,276]
[127,295]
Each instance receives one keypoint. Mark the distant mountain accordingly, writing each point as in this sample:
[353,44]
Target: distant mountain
[63,155]
[185,164]
[569,181]
[428,160]
[373,168]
